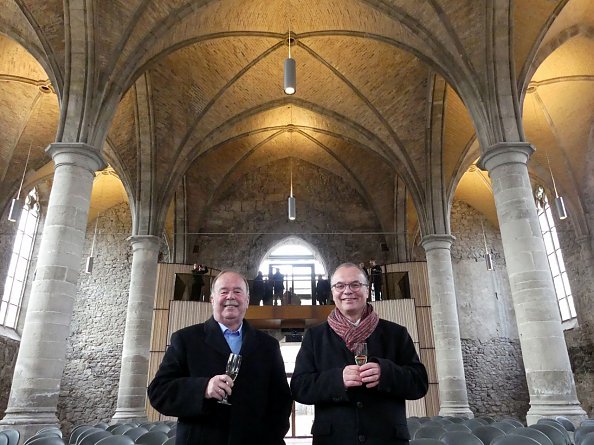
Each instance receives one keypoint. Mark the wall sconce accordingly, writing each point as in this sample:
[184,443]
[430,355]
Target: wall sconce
[290,77]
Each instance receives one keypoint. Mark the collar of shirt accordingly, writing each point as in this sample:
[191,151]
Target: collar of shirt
[233,338]
[354,323]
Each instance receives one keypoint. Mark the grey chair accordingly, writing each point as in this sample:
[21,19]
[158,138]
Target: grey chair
[160,427]
[170,441]
[429,432]
[460,438]
[581,432]
[513,421]
[77,431]
[473,423]
[432,423]
[172,432]
[511,439]
[567,424]
[487,419]
[135,433]
[426,441]
[46,433]
[588,439]
[456,419]
[95,437]
[487,433]
[3,438]
[587,422]
[53,429]
[84,433]
[101,425]
[152,438]
[413,425]
[13,436]
[457,427]
[116,440]
[504,425]
[121,429]
[556,436]
[537,435]
[46,440]
[113,427]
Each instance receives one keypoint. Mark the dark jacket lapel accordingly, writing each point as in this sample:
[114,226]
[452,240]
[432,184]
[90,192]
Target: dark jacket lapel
[214,337]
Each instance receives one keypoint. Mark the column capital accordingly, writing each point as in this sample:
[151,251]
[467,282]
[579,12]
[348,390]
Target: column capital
[435,241]
[144,242]
[506,153]
[76,153]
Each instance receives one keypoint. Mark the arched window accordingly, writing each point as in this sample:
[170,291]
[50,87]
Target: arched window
[14,287]
[553,249]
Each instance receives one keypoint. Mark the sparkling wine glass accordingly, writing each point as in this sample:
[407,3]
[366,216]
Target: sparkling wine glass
[232,370]
[360,352]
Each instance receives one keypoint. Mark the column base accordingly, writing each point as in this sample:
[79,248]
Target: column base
[27,423]
[456,411]
[123,415]
[573,411]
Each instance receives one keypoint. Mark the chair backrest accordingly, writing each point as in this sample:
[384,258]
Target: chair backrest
[116,440]
[46,440]
[121,429]
[457,427]
[160,427]
[135,433]
[473,423]
[487,419]
[460,438]
[556,436]
[83,433]
[487,433]
[13,436]
[537,435]
[456,419]
[3,438]
[429,432]
[152,438]
[170,441]
[52,429]
[95,437]
[587,422]
[423,441]
[511,439]
[567,424]
[588,439]
[581,432]
[513,421]
[504,425]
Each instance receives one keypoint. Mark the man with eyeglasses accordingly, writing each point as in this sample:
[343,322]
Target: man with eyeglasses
[357,404]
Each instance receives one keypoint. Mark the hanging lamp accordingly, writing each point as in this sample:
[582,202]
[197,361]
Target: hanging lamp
[290,77]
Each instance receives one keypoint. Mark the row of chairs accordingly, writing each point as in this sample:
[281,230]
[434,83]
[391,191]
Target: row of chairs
[150,433]
[486,431]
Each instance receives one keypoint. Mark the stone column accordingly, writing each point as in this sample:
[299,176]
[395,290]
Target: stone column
[548,371]
[583,296]
[446,330]
[137,336]
[40,363]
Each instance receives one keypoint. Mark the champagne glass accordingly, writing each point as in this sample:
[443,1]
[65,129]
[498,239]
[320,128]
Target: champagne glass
[360,351]
[232,370]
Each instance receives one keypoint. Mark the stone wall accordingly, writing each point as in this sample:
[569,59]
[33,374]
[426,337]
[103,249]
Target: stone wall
[491,350]
[89,385]
[8,353]
[256,211]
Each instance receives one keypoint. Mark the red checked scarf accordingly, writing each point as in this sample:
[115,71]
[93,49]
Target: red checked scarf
[353,334]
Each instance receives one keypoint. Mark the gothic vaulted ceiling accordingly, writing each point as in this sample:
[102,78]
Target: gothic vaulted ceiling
[194,89]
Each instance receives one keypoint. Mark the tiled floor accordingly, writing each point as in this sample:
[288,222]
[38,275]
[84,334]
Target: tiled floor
[298,441]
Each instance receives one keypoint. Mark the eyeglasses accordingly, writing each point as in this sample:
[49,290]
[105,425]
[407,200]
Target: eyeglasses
[354,286]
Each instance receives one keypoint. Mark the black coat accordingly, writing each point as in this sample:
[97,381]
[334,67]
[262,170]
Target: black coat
[261,399]
[375,416]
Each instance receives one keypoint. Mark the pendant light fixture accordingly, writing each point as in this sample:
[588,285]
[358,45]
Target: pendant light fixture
[559,204]
[291,204]
[488,256]
[290,77]
[91,258]
[16,205]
